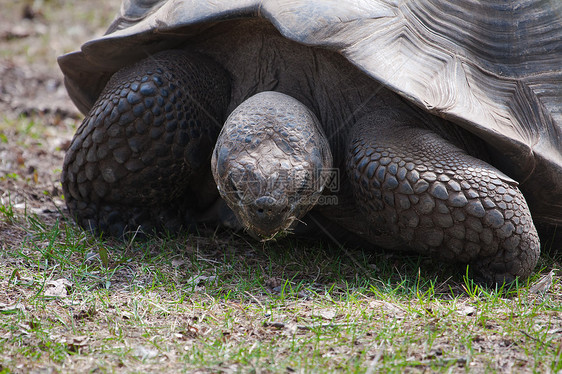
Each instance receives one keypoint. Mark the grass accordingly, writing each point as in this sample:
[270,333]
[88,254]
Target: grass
[214,302]
[59,26]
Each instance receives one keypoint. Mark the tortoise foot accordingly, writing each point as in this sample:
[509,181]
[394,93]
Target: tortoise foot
[142,154]
[124,221]
[438,200]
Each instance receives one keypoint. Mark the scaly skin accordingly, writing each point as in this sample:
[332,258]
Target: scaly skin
[141,159]
[440,201]
[150,134]
[268,162]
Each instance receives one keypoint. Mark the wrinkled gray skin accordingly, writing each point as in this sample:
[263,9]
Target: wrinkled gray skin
[407,179]
[269,162]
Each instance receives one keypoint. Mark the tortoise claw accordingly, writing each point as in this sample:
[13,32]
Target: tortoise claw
[440,201]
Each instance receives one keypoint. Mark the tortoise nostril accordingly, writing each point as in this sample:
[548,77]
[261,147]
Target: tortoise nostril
[267,206]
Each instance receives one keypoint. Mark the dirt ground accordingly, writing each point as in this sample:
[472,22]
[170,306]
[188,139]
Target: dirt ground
[38,118]
[37,121]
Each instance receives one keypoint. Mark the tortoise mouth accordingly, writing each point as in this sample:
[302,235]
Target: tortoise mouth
[266,234]
[266,231]
[266,216]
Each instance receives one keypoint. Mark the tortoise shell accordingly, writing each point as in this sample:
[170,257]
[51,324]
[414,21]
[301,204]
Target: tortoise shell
[493,68]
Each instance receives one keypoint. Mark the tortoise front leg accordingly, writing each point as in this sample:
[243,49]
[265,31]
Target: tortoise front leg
[437,199]
[141,157]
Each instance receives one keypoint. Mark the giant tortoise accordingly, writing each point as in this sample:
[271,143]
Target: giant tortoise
[432,125]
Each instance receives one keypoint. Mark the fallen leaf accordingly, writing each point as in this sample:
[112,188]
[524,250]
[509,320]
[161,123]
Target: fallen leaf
[326,314]
[144,353]
[466,310]
[58,288]
[76,343]
[176,262]
[91,256]
[200,279]
[290,329]
[392,310]
[104,256]
[543,284]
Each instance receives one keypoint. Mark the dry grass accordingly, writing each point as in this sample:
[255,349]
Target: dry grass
[216,301]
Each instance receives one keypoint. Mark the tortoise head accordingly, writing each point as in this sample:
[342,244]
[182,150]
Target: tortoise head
[270,161]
